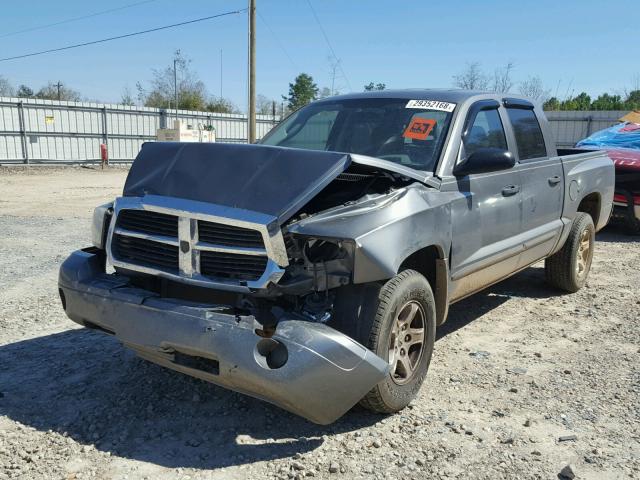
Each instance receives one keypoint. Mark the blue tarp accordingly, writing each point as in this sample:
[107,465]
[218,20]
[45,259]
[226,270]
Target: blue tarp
[624,135]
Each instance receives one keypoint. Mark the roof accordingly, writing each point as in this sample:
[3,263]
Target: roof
[452,95]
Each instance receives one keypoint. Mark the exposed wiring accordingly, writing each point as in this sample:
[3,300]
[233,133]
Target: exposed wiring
[68,47]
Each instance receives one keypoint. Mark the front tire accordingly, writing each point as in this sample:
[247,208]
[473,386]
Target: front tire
[403,333]
[568,268]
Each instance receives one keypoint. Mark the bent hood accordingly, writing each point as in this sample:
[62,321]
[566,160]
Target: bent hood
[275,181]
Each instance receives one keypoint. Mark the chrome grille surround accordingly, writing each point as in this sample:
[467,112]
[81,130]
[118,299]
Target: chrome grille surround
[189,212]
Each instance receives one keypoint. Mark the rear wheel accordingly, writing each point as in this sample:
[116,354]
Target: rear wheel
[403,333]
[568,268]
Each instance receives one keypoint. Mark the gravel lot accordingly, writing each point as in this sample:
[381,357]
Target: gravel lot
[523,382]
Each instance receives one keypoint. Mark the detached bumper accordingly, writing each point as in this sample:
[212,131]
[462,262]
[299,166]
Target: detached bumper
[307,368]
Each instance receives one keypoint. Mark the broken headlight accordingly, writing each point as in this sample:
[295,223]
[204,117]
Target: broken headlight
[317,264]
[317,250]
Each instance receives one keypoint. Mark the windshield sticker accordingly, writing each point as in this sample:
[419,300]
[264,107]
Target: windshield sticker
[419,128]
[431,105]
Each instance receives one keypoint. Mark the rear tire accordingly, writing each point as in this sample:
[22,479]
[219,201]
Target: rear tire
[402,332]
[568,268]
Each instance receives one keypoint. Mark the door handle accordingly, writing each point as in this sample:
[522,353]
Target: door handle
[554,180]
[510,190]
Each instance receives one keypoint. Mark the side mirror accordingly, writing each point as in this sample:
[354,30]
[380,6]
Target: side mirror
[484,160]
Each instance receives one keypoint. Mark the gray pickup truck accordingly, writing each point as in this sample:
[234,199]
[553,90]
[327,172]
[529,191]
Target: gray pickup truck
[311,270]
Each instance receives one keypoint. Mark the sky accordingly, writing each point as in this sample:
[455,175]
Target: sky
[572,45]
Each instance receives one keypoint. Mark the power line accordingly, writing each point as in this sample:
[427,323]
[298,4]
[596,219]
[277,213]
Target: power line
[280,44]
[326,38]
[68,47]
[74,19]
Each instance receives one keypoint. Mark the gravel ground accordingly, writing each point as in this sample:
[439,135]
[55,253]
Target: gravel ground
[524,382]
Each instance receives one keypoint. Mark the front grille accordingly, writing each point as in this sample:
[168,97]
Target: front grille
[229,235]
[183,247]
[152,223]
[145,252]
[232,265]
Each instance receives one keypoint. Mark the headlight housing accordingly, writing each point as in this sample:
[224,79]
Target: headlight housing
[100,225]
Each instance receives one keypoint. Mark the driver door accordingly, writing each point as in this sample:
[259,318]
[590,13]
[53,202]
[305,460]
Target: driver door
[487,218]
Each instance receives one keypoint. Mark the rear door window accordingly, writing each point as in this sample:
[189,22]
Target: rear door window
[485,132]
[526,129]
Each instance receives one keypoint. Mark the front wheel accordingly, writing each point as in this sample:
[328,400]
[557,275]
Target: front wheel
[403,333]
[568,268]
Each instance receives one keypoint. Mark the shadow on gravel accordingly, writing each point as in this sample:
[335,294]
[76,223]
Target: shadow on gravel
[89,387]
[529,283]
[615,232]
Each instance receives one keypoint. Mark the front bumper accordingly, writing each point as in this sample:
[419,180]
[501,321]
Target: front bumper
[307,368]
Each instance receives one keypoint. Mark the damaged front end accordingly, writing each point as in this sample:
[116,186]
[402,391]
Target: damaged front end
[229,287]
[305,367]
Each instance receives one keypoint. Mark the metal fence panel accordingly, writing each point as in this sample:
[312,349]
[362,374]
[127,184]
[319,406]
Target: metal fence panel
[570,126]
[47,131]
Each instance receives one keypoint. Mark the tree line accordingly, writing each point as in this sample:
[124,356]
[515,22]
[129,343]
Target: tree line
[192,93]
[501,81]
[51,91]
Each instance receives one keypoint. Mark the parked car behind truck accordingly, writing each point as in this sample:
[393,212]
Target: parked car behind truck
[313,269]
[622,144]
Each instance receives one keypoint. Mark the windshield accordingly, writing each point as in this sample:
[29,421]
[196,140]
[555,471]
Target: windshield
[399,130]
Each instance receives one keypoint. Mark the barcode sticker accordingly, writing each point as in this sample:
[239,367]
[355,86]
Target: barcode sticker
[431,105]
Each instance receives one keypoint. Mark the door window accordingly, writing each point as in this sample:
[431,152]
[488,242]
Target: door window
[486,131]
[526,129]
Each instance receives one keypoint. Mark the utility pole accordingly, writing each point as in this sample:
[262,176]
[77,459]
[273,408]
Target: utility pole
[334,67]
[252,71]
[175,86]
[220,73]
[59,85]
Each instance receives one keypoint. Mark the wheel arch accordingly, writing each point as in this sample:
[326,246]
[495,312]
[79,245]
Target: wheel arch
[591,204]
[431,262]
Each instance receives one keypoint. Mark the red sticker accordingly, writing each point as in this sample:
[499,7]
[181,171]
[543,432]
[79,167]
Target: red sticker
[419,128]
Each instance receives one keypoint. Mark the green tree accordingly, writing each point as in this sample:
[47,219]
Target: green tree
[52,92]
[25,92]
[127,97]
[582,101]
[377,86]
[301,92]
[221,105]
[192,93]
[632,102]
[579,102]
[552,104]
[607,102]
